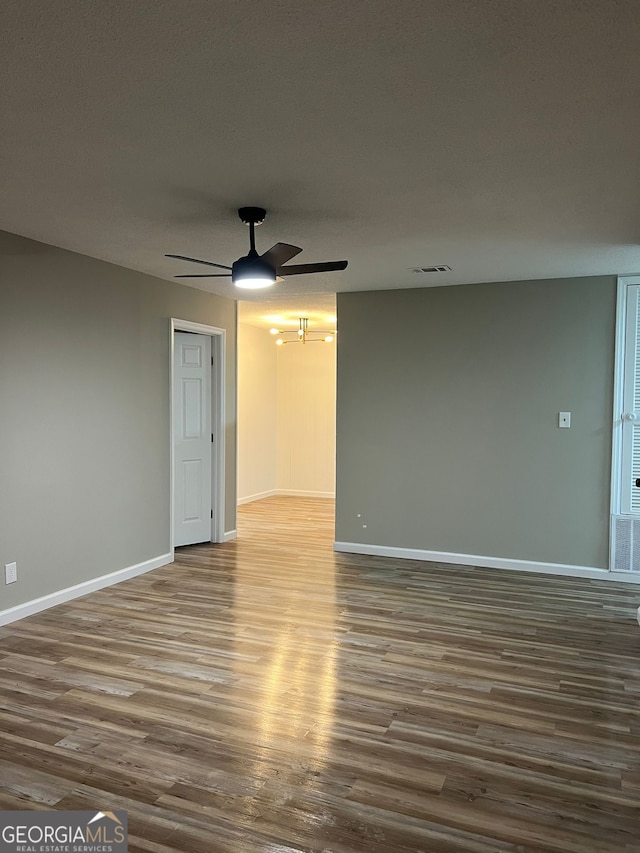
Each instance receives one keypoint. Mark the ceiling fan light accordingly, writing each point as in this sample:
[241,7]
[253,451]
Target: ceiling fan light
[252,273]
[254,283]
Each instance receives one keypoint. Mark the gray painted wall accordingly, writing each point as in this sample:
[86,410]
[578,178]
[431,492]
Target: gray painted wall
[447,434]
[84,414]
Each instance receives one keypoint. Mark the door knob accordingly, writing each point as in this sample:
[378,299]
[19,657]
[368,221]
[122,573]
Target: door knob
[629,416]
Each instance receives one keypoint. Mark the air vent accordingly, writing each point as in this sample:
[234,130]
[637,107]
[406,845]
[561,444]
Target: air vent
[625,543]
[442,268]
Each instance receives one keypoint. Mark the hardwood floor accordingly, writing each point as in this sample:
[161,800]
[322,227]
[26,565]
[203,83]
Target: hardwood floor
[269,695]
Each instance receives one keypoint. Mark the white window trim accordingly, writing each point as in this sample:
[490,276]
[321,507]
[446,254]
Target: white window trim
[618,389]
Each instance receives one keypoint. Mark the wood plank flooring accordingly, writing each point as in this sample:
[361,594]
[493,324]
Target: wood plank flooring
[269,695]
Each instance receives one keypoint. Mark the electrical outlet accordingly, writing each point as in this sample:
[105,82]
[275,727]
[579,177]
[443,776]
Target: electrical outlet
[10,572]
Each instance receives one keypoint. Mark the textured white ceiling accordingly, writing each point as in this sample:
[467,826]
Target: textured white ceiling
[284,310]
[500,137]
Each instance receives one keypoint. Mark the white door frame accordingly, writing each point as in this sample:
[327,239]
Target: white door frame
[218,347]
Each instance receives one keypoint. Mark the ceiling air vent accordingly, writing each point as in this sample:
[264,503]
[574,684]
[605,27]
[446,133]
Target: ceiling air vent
[442,268]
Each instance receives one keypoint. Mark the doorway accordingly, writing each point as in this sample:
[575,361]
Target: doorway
[286,403]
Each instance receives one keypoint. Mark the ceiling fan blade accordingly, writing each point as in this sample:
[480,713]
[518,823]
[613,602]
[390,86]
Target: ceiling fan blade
[205,275]
[197,261]
[303,269]
[280,254]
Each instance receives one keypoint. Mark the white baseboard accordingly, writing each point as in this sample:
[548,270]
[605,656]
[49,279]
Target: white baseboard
[80,589]
[299,493]
[229,535]
[292,493]
[257,497]
[485,562]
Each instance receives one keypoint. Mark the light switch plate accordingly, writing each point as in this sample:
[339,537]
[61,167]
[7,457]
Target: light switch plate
[564,420]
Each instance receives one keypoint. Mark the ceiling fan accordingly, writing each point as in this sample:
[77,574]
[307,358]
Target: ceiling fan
[254,271]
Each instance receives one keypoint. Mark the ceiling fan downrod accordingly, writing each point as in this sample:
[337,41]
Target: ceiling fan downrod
[252,216]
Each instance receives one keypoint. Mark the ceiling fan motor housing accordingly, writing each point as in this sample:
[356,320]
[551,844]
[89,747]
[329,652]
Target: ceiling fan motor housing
[252,265]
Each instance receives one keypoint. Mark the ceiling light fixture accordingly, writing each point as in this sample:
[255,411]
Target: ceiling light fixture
[304,335]
[251,272]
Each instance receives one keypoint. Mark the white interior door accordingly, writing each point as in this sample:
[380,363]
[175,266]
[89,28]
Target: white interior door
[192,438]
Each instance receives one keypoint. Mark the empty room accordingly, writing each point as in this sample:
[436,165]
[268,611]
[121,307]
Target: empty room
[320,426]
